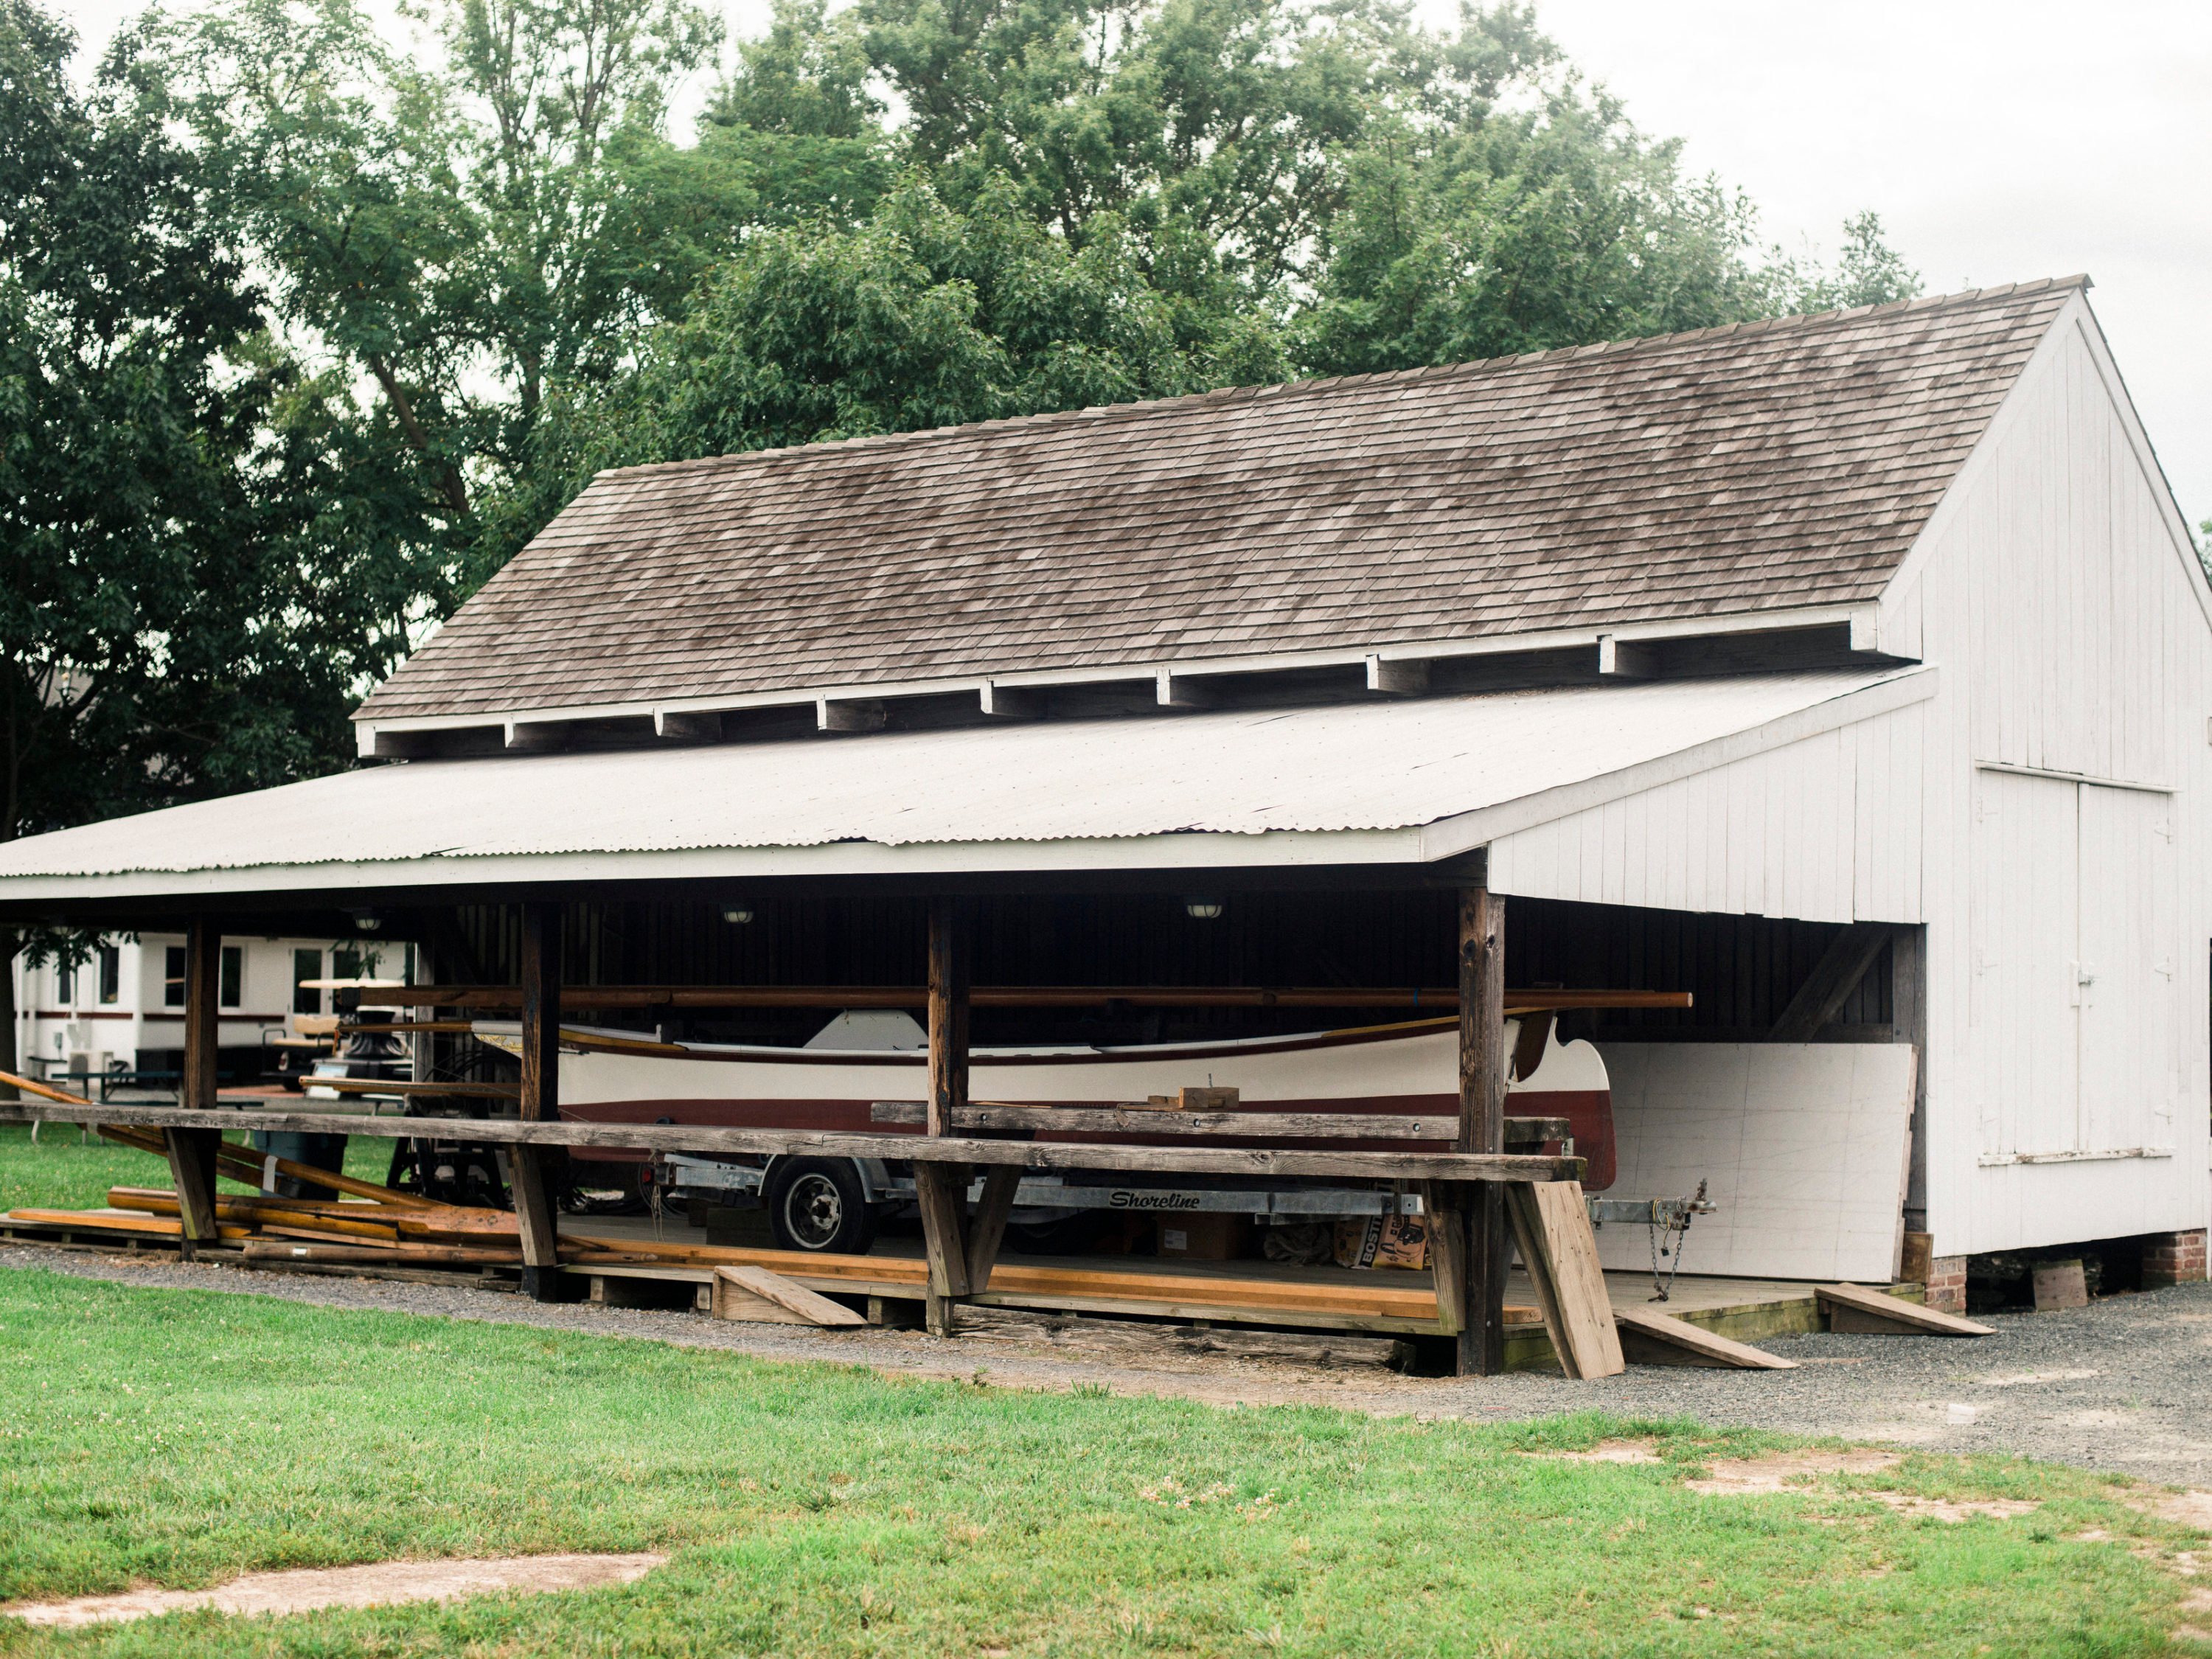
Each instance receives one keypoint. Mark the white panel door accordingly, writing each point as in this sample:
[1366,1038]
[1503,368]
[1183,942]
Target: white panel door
[2129,964]
[2025,914]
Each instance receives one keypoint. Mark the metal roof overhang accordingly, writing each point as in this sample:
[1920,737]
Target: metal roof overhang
[1400,783]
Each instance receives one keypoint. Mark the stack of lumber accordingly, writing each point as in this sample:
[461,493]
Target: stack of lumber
[369,1226]
[365,1224]
[1088,1287]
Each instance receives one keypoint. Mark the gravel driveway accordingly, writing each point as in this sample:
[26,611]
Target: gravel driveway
[2125,1385]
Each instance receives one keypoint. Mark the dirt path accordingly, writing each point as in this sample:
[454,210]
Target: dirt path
[2124,1385]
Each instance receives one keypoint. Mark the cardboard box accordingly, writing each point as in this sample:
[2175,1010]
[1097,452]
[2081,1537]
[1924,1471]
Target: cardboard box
[1208,1235]
[1383,1241]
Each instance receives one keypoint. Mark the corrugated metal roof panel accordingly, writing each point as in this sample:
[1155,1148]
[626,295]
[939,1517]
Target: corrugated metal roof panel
[1350,768]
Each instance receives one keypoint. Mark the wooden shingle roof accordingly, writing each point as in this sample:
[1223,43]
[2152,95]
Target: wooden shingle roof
[1760,467]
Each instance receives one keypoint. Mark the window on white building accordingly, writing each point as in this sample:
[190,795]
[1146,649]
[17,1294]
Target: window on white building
[305,965]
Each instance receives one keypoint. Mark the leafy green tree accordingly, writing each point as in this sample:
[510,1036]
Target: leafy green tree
[1218,129]
[463,233]
[913,211]
[1869,272]
[921,317]
[1531,230]
[799,122]
[182,611]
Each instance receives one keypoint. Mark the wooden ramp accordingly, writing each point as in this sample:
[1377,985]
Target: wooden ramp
[1657,1338]
[1857,1307]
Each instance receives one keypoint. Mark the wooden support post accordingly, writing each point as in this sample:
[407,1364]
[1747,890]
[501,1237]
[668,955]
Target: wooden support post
[1561,1253]
[941,1190]
[948,1011]
[1536,1262]
[191,1151]
[1444,1206]
[537,1219]
[1482,1124]
[203,985]
[192,1169]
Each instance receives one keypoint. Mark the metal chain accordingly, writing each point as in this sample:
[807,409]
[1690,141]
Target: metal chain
[1665,1286]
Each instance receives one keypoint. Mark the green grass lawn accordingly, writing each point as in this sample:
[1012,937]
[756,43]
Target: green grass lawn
[65,1170]
[181,1437]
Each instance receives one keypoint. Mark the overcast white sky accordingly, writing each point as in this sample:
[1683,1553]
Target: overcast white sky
[2000,140]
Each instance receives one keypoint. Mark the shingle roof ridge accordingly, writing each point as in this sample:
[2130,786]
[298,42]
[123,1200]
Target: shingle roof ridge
[1142,408]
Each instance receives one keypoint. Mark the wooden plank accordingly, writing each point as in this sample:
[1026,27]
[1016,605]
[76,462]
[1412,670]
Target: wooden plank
[380,1219]
[1536,1262]
[116,1221]
[372,1086]
[319,1235]
[1442,999]
[1481,1351]
[249,1168]
[1657,1338]
[675,1138]
[1216,1313]
[1132,1119]
[891,1275]
[986,1229]
[1855,1308]
[1833,978]
[773,1287]
[280,1212]
[418,1255]
[1577,1278]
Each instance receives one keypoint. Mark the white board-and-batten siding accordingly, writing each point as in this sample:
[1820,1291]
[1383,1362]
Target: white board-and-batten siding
[2066,842]
[1826,829]
[2044,814]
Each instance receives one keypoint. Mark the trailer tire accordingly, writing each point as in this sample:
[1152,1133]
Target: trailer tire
[818,1205]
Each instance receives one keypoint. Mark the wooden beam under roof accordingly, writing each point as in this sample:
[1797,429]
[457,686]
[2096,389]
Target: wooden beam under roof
[408,736]
[1420,1000]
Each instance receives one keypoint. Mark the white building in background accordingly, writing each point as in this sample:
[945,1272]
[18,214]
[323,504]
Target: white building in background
[122,1008]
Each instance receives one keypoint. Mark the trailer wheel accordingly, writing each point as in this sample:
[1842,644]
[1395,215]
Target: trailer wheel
[818,1203]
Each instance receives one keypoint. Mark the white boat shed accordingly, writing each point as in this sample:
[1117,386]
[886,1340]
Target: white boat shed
[1884,620]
